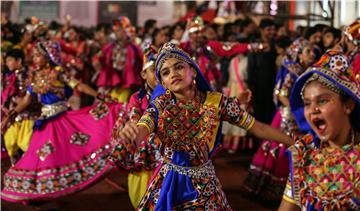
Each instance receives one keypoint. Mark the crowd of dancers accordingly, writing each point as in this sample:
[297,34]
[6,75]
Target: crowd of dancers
[160,103]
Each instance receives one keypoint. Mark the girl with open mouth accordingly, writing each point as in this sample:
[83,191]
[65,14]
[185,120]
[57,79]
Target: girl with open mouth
[324,169]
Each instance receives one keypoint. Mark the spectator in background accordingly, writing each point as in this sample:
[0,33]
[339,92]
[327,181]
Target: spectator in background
[281,44]
[262,73]
[331,37]
[176,32]
[159,37]
[209,32]
[248,32]
[314,35]
[149,28]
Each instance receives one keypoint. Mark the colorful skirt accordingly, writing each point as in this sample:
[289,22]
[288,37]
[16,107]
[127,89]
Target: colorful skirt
[269,169]
[67,154]
[177,187]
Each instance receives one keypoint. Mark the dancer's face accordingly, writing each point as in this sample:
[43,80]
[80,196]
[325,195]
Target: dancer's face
[325,112]
[39,59]
[177,75]
[12,63]
[307,56]
[120,33]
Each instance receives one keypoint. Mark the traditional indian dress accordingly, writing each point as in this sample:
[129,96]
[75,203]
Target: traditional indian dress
[324,177]
[189,132]
[142,160]
[18,133]
[121,65]
[68,149]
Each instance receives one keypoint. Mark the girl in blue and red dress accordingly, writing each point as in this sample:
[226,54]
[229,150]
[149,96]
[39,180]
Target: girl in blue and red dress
[186,115]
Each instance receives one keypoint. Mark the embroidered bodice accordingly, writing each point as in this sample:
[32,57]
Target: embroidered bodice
[118,56]
[325,177]
[51,85]
[188,129]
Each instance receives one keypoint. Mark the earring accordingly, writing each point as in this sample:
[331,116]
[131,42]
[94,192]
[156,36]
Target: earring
[194,82]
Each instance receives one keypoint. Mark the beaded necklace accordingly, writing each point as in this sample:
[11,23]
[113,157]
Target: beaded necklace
[119,57]
[42,79]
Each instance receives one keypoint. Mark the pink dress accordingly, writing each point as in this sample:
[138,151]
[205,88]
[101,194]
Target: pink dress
[121,66]
[68,150]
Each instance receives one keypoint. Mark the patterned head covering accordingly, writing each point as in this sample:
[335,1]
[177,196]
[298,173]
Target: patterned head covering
[333,71]
[125,24]
[291,61]
[149,57]
[352,32]
[51,50]
[196,24]
[170,50]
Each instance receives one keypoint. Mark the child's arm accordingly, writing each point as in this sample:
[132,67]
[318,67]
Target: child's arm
[264,131]
[231,111]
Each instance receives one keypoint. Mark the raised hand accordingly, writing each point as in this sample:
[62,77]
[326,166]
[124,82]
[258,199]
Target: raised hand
[245,96]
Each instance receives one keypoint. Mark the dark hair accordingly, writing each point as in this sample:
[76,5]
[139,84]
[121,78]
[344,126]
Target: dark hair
[310,31]
[154,34]
[246,22]
[335,32]
[283,42]
[54,25]
[16,54]
[266,22]
[178,24]
[103,26]
[321,27]
[238,22]
[344,97]
[149,24]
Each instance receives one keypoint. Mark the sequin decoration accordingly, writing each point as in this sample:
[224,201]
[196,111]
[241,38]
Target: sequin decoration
[338,63]
[326,178]
[100,111]
[79,138]
[45,150]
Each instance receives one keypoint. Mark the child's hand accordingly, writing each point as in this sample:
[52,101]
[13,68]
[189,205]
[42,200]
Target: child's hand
[245,96]
[130,133]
